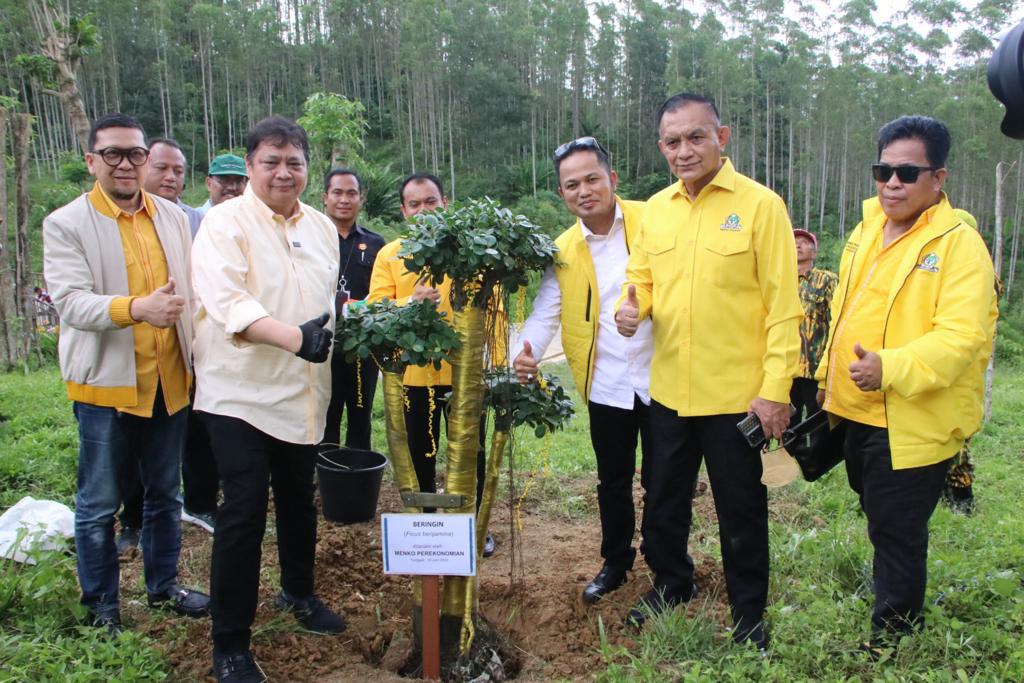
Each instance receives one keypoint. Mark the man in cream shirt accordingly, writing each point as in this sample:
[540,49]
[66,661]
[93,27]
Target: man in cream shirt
[264,263]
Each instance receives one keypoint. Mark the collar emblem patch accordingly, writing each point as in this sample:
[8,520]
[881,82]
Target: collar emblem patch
[929,263]
[732,223]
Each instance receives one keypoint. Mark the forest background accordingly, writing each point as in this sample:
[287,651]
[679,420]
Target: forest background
[480,93]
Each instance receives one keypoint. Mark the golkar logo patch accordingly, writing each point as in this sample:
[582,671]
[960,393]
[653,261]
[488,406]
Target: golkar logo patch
[732,223]
[930,263]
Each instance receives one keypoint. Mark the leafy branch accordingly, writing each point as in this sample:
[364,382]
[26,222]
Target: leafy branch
[479,245]
[543,405]
[396,336]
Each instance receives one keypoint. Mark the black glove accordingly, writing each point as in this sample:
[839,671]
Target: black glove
[316,341]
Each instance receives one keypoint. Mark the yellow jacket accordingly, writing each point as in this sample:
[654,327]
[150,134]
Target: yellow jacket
[718,277]
[937,338]
[391,280]
[578,284]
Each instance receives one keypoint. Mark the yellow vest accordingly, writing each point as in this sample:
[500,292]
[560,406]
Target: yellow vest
[937,331]
[577,281]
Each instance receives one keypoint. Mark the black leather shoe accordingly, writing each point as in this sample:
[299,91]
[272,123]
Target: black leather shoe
[488,545]
[237,668]
[607,580]
[183,601]
[657,601]
[313,614]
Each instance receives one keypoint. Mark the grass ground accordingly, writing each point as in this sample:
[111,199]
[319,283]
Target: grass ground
[820,591]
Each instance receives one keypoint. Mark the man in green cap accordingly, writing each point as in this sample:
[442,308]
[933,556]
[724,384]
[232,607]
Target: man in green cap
[226,179]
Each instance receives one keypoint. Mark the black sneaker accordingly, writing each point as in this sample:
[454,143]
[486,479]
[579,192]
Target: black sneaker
[203,520]
[185,602]
[488,545]
[312,613]
[109,621]
[128,539]
[237,668]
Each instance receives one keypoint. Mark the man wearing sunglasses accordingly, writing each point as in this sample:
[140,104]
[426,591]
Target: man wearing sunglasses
[914,315]
[117,265]
[715,270]
[611,372]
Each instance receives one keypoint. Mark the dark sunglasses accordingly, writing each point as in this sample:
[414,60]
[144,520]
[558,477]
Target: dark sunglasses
[113,156]
[906,174]
[586,142]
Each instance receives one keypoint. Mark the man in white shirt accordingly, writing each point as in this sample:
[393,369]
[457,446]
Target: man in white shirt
[611,371]
[262,265]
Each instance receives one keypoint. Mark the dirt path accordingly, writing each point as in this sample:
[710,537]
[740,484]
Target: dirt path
[554,634]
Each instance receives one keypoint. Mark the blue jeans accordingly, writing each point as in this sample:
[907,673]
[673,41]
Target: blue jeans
[108,440]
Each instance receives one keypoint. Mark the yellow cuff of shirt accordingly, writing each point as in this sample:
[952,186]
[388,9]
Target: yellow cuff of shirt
[120,311]
[775,389]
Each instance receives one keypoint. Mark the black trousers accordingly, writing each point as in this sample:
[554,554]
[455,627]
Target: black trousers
[734,468]
[898,505]
[250,462]
[804,397]
[424,432]
[613,433]
[346,386]
[199,478]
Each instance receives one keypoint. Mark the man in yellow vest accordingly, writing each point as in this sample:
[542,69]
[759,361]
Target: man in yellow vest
[715,270]
[914,316]
[611,372]
[426,387]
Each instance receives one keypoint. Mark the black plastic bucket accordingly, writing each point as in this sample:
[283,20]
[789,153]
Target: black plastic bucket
[350,483]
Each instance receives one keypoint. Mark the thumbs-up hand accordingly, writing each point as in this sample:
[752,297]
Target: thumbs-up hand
[162,308]
[525,364]
[627,317]
[866,371]
[316,340]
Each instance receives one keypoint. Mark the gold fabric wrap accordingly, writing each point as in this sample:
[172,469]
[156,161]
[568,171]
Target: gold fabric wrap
[465,408]
[483,519]
[398,440]
[398,447]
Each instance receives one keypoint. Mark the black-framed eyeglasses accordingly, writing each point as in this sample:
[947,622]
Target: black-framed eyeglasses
[585,142]
[113,156]
[906,174]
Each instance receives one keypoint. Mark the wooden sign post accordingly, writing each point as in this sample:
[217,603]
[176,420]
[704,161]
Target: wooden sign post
[430,546]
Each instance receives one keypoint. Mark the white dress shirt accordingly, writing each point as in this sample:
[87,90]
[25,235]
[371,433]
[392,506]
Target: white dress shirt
[249,263]
[622,365]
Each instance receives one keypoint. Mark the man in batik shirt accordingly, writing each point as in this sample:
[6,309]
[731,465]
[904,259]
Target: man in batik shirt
[815,286]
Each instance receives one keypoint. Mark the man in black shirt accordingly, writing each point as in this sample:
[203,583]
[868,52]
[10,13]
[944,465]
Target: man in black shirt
[352,384]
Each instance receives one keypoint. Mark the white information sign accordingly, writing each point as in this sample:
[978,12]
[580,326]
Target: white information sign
[430,544]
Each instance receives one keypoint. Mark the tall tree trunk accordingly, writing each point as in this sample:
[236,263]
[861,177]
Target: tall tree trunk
[1016,226]
[997,262]
[8,307]
[59,47]
[21,134]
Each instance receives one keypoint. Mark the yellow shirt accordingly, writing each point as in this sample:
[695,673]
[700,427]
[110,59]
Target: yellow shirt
[718,277]
[249,263]
[862,319]
[391,280]
[157,353]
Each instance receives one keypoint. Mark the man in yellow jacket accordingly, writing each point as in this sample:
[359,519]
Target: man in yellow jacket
[914,316]
[716,272]
[426,387]
[611,372]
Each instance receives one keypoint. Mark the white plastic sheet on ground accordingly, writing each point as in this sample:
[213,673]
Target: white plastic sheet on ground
[34,525]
